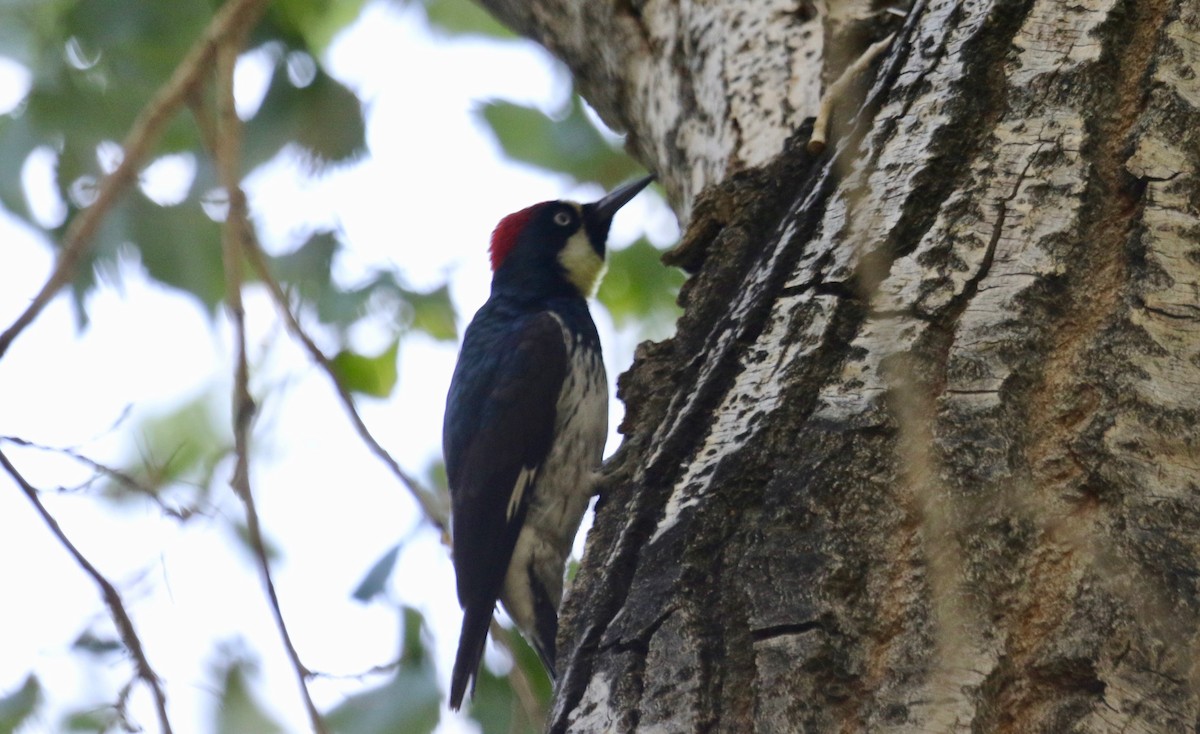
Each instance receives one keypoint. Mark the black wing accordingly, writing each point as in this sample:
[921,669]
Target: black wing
[499,427]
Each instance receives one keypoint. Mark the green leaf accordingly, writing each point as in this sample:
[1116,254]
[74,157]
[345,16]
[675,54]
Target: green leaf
[238,712]
[375,580]
[17,141]
[242,532]
[323,118]
[99,720]
[308,270]
[127,50]
[435,477]
[463,18]
[432,312]
[342,308]
[528,661]
[137,42]
[184,445]
[495,705]
[410,702]
[413,655]
[91,643]
[28,27]
[638,288]
[316,21]
[570,145]
[374,376]
[180,245]
[311,261]
[19,705]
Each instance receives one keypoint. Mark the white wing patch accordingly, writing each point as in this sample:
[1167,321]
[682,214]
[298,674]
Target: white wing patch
[524,479]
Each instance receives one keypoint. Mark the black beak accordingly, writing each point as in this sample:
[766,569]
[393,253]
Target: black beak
[598,215]
[604,209]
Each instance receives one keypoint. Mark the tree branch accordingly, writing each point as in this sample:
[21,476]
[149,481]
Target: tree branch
[425,499]
[179,513]
[112,599]
[235,15]
[233,241]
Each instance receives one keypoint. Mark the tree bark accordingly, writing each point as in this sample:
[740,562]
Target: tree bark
[924,454]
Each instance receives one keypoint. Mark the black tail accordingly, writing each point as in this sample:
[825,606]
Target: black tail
[470,653]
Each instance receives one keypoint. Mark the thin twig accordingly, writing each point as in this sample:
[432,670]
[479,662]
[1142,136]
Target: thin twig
[228,144]
[182,514]
[433,511]
[145,132]
[360,677]
[227,150]
[112,598]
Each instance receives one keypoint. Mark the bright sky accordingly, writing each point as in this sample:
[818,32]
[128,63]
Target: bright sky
[425,201]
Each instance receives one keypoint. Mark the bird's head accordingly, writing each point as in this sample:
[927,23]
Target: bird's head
[556,246]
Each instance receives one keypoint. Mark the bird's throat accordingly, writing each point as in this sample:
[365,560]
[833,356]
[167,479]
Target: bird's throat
[582,264]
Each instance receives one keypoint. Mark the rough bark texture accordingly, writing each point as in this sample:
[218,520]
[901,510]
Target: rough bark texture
[925,452]
[702,88]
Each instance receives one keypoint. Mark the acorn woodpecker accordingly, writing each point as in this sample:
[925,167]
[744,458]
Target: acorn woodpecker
[525,423]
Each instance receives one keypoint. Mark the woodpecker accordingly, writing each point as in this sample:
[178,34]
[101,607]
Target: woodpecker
[526,419]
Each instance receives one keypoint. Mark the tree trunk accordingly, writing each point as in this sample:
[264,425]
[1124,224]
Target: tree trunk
[925,452]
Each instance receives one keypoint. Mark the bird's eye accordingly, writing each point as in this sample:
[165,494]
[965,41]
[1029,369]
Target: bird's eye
[562,219]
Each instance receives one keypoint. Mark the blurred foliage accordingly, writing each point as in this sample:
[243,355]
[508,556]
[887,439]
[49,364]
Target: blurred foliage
[94,64]
[374,376]
[316,21]
[639,289]
[308,272]
[242,532]
[19,705]
[496,706]
[94,644]
[90,76]
[179,448]
[374,583]
[98,720]
[237,711]
[410,702]
[566,142]
[463,18]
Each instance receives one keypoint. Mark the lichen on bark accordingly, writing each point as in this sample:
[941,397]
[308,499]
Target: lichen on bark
[923,454]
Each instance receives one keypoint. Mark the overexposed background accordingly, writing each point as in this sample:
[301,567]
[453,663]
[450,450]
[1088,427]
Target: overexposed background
[423,200]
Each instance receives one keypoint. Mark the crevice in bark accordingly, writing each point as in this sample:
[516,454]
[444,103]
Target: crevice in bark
[901,597]
[1065,550]
[1045,395]
[1141,303]
[640,643]
[809,192]
[779,630]
[732,254]
[945,320]
[974,480]
[973,117]
[805,190]
[793,179]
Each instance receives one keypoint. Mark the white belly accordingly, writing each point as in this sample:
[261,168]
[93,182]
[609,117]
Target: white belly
[562,488]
